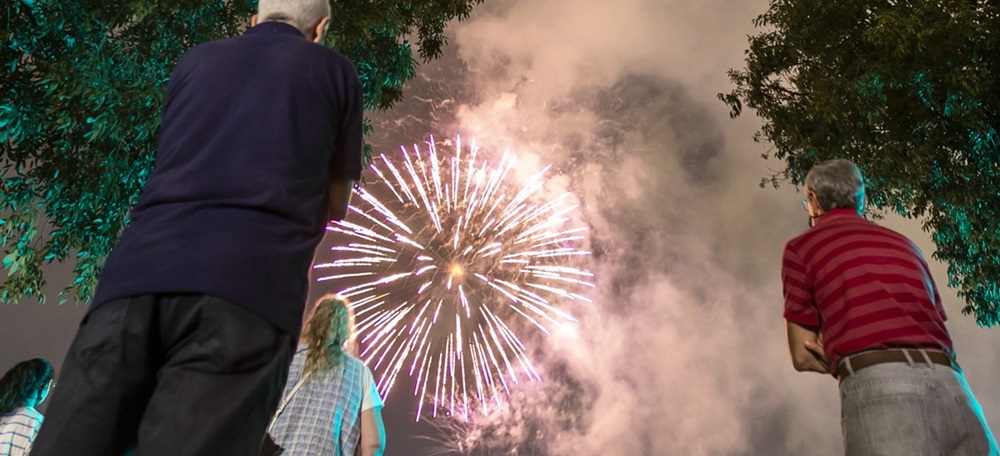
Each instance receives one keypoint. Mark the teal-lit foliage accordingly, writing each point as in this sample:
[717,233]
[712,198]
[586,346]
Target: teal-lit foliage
[81,83]
[909,90]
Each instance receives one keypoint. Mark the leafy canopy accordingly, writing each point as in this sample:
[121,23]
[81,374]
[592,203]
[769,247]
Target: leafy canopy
[80,93]
[908,90]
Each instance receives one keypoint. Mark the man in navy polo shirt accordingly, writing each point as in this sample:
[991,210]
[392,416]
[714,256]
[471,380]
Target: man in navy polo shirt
[860,304]
[186,347]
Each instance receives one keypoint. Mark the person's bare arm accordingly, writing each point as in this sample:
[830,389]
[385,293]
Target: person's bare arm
[806,348]
[340,197]
[372,432]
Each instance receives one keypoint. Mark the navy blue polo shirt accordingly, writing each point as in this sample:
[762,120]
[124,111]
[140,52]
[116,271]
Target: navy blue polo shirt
[254,128]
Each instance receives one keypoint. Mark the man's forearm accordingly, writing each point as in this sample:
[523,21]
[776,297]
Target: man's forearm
[805,346]
[810,364]
[340,198]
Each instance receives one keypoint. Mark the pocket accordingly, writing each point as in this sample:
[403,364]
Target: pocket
[100,332]
[219,336]
[889,426]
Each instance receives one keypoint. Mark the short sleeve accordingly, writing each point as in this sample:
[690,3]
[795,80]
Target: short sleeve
[797,290]
[345,162]
[178,78]
[371,398]
[34,433]
[929,282]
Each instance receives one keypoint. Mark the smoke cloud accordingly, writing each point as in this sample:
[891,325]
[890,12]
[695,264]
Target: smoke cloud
[683,351]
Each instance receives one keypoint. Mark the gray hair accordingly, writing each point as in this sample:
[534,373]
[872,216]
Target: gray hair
[302,14]
[838,185]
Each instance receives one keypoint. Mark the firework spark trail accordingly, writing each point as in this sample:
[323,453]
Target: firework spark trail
[440,271]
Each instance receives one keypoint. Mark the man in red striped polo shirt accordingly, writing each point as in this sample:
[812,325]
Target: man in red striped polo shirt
[860,304]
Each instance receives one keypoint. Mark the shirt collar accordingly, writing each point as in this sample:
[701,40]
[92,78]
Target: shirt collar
[837,213]
[274,28]
[26,410]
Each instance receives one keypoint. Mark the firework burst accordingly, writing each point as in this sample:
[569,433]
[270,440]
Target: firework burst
[446,267]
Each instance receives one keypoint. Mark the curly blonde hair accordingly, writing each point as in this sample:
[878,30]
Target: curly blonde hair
[328,334]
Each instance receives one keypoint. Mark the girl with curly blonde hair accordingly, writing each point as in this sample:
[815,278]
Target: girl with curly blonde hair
[331,405]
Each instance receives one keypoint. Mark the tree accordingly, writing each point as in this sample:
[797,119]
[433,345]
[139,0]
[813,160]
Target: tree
[80,93]
[910,91]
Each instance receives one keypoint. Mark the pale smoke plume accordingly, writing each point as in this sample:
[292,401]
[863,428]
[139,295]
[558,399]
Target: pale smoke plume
[683,352]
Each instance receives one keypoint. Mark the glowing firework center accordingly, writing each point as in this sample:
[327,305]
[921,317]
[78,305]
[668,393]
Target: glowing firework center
[449,265]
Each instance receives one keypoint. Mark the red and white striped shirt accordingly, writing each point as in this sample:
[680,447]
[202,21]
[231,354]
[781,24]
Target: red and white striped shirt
[865,286]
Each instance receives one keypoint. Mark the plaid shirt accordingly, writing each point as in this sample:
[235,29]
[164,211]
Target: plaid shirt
[17,430]
[323,417]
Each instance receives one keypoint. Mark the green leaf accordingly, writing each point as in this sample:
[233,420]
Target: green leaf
[9,259]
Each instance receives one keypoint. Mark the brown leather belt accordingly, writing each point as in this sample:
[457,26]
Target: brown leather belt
[868,359]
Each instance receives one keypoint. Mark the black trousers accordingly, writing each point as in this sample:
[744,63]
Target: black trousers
[177,375]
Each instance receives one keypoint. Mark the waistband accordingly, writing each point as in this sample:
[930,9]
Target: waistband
[849,365]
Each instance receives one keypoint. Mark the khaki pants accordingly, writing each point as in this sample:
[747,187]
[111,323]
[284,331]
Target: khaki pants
[897,409]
